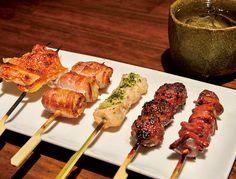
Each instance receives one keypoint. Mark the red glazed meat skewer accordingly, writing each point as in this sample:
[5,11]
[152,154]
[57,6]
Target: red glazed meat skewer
[194,135]
[149,128]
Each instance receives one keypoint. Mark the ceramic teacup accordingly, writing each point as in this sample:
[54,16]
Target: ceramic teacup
[202,37]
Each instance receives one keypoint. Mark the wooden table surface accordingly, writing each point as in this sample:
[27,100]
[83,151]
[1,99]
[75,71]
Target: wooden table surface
[133,32]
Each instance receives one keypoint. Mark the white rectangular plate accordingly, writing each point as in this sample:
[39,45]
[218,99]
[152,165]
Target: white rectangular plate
[113,146]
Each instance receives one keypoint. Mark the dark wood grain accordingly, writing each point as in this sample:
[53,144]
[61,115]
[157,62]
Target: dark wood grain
[133,32]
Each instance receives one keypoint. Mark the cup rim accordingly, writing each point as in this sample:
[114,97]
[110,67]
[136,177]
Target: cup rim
[176,3]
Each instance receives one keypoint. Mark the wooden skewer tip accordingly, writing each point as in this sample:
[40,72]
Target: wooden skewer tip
[74,158]
[23,154]
[179,165]
[121,172]
[8,113]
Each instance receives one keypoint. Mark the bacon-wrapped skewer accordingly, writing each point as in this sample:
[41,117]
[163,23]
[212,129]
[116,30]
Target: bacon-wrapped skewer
[148,129]
[86,85]
[78,82]
[111,112]
[30,72]
[86,78]
[67,98]
[100,71]
[195,134]
[69,103]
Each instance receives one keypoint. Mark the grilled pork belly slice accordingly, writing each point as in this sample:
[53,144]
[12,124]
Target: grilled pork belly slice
[86,85]
[99,70]
[70,103]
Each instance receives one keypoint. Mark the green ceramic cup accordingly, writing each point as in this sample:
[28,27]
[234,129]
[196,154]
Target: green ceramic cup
[202,37]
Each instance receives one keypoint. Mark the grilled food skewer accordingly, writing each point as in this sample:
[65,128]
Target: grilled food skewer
[32,70]
[62,98]
[194,135]
[29,66]
[20,157]
[74,158]
[148,128]
[111,112]
[6,116]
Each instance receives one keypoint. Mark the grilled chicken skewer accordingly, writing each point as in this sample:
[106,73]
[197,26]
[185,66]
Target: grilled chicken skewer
[148,128]
[34,69]
[114,109]
[68,98]
[196,133]
[63,100]
[111,112]
[30,72]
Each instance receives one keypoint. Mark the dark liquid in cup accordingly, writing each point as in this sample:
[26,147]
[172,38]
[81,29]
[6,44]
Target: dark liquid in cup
[207,15]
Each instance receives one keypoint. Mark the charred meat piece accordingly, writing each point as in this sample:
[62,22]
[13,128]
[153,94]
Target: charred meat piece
[40,62]
[159,109]
[148,129]
[14,73]
[175,93]
[156,114]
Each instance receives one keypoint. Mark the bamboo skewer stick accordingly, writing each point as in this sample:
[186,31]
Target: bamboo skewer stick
[74,158]
[31,144]
[6,116]
[179,165]
[121,173]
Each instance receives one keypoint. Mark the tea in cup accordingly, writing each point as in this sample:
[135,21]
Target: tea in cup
[202,37]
